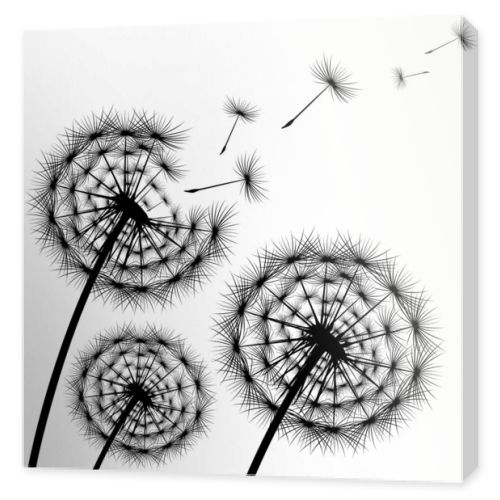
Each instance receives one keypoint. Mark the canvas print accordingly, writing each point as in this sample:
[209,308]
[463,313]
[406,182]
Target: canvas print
[244,248]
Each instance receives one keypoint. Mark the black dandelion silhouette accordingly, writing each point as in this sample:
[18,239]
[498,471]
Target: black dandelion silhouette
[328,343]
[400,78]
[250,177]
[240,110]
[102,213]
[140,395]
[333,78]
[464,35]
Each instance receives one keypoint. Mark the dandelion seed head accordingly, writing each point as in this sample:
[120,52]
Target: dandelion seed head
[168,383]
[115,168]
[350,304]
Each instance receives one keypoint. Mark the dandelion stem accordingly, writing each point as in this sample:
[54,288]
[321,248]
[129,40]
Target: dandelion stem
[212,186]
[300,379]
[63,351]
[417,74]
[440,46]
[230,134]
[304,108]
[123,418]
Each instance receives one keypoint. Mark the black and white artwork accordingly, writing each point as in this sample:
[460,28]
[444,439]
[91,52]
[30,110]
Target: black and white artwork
[243,248]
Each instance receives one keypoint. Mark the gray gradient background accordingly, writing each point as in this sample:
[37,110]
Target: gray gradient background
[387,166]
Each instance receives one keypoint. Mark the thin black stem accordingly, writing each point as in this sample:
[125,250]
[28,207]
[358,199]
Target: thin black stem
[119,424]
[417,74]
[230,134]
[304,108]
[440,46]
[63,351]
[212,186]
[300,379]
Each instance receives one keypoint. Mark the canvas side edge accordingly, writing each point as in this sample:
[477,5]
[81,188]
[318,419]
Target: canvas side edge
[470,261]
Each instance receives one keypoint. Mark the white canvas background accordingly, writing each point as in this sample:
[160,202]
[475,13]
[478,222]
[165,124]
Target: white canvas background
[386,166]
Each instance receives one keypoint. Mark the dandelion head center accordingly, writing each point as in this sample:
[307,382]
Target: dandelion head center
[323,337]
[138,392]
[131,208]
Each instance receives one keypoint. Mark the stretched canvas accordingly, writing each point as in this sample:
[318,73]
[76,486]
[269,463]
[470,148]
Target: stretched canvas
[250,248]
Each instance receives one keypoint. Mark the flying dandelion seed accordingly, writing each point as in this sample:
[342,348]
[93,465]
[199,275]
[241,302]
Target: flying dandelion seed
[328,343]
[102,213]
[250,177]
[400,78]
[240,110]
[333,78]
[464,35]
[142,396]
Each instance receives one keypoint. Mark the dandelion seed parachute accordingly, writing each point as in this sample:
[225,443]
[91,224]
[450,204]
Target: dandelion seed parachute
[141,396]
[327,342]
[464,34]
[240,110]
[334,79]
[400,78]
[250,176]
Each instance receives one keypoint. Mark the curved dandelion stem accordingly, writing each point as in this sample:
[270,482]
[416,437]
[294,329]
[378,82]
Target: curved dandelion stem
[119,424]
[300,379]
[195,190]
[287,124]
[230,134]
[63,351]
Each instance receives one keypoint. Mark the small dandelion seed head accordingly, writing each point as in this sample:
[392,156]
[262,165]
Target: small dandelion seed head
[239,108]
[167,394]
[326,72]
[465,34]
[252,177]
[399,78]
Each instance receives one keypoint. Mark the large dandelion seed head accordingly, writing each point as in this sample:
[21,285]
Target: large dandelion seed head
[114,170]
[167,383]
[351,306]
